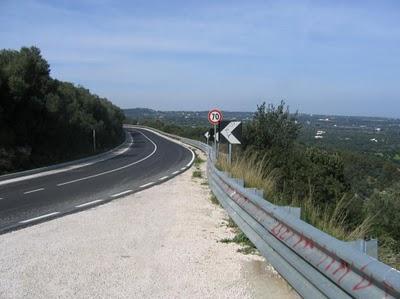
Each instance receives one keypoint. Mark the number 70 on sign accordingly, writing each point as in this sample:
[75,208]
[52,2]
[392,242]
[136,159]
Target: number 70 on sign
[214,116]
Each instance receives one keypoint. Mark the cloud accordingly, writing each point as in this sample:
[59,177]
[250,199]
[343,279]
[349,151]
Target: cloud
[238,52]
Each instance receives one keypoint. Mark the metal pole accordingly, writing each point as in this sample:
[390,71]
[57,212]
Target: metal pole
[230,154]
[215,141]
[94,140]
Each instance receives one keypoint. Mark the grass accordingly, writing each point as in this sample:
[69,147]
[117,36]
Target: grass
[257,173]
[214,199]
[239,238]
[334,222]
[198,160]
[197,174]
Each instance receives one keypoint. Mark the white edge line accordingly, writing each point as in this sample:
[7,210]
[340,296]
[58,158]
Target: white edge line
[176,172]
[40,217]
[88,203]
[115,169]
[181,143]
[32,191]
[193,156]
[146,185]
[163,178]
[121,193]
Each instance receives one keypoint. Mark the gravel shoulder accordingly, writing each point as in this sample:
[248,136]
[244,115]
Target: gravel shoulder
[162,242]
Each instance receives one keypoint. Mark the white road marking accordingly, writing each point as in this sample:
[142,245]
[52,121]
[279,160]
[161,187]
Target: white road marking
[1,198]
[176,172]
[146,185]
[33,191]
[121,193]
[191,161]
[64,169]
[88,203]
[172,140]
[116,169]
[40,217]
[163,178]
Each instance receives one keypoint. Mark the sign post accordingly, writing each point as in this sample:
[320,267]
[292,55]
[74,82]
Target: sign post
[215,117]
[94,140]
[207,135]
[231,133]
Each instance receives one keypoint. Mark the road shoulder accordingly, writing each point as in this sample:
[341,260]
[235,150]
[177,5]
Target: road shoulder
[160,242]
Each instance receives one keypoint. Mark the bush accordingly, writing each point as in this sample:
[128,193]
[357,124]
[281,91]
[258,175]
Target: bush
[384,206]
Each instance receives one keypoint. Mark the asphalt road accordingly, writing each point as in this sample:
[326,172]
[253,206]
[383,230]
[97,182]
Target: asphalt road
[149,159]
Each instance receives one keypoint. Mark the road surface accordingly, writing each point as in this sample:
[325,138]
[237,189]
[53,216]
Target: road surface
[147,160]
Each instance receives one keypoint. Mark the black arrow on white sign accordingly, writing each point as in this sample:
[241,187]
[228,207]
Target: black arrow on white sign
[209,135]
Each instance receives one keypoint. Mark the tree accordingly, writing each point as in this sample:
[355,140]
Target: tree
[43,120]
[272,128]
[384,207]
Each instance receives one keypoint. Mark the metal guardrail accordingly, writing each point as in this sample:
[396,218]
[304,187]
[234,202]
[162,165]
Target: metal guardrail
[314,263]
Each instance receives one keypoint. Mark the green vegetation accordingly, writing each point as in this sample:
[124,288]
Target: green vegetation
[214,199]
[197,174]
[345,193]
[43,120]
[239,238]
[198,161]
[193,132]
[346,184]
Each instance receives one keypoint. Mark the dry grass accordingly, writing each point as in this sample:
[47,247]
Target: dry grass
[334,222]
[257,173]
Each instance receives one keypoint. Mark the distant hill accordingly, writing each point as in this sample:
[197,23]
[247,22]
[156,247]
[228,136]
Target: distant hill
[376,135]
[189,118]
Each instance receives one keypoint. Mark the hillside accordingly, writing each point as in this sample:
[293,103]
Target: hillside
[45,121]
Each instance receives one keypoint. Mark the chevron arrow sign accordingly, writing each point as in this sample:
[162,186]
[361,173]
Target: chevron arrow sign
[230,132]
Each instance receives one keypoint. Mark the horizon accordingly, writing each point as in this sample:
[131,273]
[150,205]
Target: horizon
[336,58]
[300,113]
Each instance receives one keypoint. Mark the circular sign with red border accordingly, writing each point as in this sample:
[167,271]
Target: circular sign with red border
[215,116]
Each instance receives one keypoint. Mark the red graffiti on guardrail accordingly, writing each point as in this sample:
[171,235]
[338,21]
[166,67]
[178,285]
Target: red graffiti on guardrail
[343,266]
[283,233]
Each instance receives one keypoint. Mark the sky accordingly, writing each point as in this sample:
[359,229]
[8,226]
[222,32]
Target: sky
[321,57]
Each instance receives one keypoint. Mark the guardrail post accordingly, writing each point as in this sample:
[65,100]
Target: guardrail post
[240,182]
[369,247]
[256,191]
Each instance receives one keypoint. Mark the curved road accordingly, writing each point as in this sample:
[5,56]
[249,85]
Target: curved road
[149,159]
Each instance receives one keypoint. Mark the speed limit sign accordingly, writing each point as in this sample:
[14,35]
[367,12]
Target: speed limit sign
[214,116]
